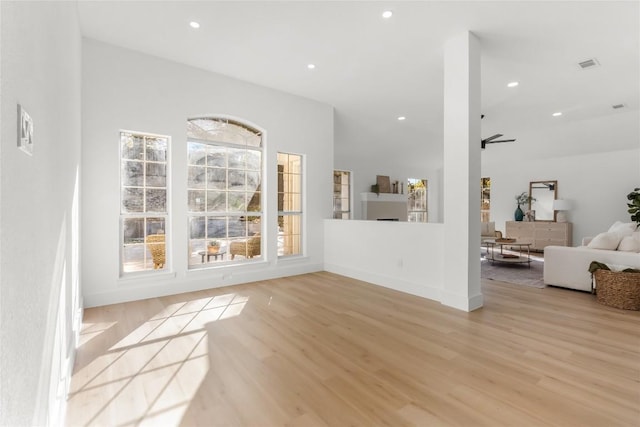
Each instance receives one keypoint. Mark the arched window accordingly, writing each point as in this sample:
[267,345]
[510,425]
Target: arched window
[224,163]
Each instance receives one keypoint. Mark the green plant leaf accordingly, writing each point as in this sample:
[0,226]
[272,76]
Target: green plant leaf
[634,206]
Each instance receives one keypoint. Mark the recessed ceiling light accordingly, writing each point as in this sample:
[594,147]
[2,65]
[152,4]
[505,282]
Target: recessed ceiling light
[311,66]
[557,114]
[194,24]
[513,84]
[387,14]
[401,118]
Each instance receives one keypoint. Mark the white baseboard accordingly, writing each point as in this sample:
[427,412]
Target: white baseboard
[419,289]
[462,302]
[196,280]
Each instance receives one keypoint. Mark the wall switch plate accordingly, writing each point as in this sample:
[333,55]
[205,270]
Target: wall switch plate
[25,131]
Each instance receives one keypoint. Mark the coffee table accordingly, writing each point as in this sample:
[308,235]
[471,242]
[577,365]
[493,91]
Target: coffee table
[508,258]
[209,255]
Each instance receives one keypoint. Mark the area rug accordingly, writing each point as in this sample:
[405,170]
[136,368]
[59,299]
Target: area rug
[519,274]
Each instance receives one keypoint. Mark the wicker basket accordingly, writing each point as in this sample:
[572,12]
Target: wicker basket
[618,289]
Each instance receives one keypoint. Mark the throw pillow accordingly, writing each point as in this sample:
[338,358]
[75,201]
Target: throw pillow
[615,224]
[608,240]
[623,229]
[629,244]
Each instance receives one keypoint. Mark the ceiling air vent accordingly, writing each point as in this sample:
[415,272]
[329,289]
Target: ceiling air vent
[589,63]
[618,106]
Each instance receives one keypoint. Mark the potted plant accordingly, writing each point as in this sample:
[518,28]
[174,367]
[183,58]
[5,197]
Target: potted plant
[521,199]
[634,205]
[214,247]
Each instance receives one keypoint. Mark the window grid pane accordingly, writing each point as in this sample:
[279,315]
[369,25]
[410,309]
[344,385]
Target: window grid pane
[144,245]
[290,238]
[223,131]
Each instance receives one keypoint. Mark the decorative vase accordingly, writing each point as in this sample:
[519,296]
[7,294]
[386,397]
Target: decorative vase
[213,249]
[519,215]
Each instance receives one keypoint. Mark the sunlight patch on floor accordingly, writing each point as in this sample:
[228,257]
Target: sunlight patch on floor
[92,330]
[154,371]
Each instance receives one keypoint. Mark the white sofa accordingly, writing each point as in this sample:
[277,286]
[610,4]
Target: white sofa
[569,267]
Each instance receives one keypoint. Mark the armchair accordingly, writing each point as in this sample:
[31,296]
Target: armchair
[247,248]
[156,245]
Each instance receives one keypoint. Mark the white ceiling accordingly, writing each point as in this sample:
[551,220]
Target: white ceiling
[373,70]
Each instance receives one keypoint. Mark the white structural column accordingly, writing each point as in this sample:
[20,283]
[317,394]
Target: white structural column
[462,173]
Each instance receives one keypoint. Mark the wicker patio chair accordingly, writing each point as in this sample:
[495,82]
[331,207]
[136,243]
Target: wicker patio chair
[156,245]
[247,248]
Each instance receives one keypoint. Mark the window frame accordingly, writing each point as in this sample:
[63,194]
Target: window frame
[425,211]
[485,190]
[301,214]
[122,216]
[339,195]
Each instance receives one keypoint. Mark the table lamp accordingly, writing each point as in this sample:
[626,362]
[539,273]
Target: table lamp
[561,206]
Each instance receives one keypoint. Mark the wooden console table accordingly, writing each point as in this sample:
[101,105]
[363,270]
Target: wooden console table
[540,233]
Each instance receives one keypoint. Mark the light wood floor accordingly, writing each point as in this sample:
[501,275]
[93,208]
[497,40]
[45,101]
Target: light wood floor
[325,350]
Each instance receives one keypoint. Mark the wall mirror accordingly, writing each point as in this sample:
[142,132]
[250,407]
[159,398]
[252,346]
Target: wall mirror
[545,192]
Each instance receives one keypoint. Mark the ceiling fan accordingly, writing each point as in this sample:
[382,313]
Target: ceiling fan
[492,139]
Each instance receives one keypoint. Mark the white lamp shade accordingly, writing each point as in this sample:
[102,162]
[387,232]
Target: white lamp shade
[561,205]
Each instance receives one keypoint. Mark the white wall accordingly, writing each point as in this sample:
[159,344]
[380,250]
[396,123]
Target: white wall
[595,183]
[123,89]
[405,256]
[41,48]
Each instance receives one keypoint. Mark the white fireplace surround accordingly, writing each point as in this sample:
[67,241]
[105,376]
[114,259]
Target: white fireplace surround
[384,206]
